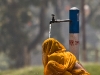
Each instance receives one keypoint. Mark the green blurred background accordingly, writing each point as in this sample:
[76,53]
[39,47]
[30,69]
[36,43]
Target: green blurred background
[24,25]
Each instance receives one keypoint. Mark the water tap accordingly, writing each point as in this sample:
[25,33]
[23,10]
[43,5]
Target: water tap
[53,19]
[58,21]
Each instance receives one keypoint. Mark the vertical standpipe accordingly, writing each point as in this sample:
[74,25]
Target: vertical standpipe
[74,31]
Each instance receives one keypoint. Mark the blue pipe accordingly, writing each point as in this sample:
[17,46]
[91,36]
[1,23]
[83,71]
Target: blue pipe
[74,17]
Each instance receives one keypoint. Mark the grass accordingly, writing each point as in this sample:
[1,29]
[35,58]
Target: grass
[35,70]
[93,69]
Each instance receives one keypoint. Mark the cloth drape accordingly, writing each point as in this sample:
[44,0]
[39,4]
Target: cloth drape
[57,60]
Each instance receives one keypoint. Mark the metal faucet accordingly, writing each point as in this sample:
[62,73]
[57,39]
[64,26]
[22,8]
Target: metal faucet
[58,21]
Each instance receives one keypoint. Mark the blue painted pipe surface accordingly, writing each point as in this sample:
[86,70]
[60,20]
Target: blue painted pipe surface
[74,17]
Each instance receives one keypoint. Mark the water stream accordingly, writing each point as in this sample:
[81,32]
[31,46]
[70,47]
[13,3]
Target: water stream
[49,30]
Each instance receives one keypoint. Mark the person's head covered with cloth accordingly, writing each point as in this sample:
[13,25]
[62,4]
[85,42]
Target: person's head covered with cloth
[58,61]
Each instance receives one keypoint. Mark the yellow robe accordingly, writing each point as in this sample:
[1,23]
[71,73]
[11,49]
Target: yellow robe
[58,61]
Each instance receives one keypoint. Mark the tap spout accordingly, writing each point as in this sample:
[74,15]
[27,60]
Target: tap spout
[58,20]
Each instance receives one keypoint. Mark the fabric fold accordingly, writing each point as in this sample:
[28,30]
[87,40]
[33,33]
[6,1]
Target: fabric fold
[57,60]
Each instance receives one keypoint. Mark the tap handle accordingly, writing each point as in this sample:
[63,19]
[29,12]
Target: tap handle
[53,19]
[53,15]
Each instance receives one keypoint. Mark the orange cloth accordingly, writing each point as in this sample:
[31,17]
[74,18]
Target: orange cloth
[57,61]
